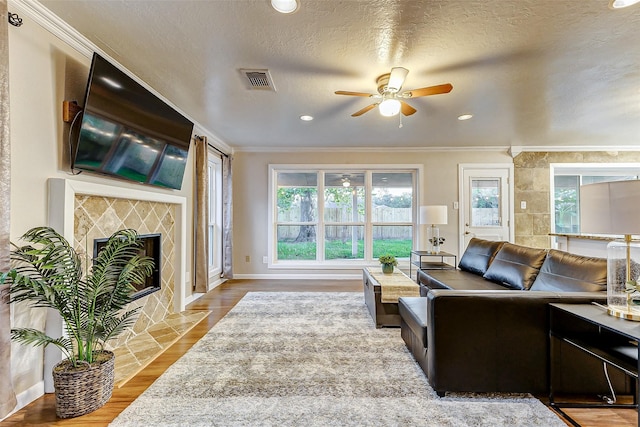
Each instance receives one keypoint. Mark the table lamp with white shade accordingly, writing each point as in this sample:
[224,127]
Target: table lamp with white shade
[613,208]
[433,215]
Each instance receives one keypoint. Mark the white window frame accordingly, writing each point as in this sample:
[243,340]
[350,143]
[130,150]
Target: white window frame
[214,226]
[416,169]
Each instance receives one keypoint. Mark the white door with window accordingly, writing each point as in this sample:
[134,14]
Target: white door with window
[486,205]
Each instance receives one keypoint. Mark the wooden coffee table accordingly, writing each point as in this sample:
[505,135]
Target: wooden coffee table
[386,313]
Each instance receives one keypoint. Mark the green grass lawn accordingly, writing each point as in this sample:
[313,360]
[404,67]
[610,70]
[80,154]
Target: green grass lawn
[296,251]
[336,249]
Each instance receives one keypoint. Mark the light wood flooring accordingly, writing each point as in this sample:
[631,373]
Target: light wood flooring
[219,301]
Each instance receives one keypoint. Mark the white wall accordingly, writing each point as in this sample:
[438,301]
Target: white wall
[438,185]
[44,71]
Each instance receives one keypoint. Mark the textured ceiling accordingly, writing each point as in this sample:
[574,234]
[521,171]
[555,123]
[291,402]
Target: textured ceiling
[533,72]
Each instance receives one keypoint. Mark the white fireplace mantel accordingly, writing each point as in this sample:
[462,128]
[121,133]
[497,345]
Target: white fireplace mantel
[61,204]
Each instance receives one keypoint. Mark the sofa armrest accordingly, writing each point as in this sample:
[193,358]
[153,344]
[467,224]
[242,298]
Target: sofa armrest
[492,340]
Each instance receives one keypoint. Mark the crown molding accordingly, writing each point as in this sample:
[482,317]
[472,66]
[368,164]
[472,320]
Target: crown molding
[515,150]
[504,149]
[213,139]
[56,26]
[69,35]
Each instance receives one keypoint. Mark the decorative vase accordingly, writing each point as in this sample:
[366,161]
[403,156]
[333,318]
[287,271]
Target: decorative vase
[83,389]
[387,268]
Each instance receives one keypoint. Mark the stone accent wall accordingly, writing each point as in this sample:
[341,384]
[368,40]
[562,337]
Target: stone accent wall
[532,184]
[99,217]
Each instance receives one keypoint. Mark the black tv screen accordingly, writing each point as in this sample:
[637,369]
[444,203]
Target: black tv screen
[128,132]
[150,245]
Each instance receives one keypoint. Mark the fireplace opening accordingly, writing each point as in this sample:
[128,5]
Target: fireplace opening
[150,247]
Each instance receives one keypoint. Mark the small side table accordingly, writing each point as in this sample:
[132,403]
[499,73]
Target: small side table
[433,261]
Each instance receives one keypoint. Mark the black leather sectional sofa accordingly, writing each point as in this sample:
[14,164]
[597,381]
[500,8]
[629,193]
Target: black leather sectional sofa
[484,327]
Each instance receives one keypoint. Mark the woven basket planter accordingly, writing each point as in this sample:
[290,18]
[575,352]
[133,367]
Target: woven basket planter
[86,388]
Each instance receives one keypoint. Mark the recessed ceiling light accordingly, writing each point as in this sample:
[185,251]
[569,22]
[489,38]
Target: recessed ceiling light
[285,6]
[619,4]
[465,117]
[306,118]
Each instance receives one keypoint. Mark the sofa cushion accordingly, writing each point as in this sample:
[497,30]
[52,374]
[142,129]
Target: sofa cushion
[565,272]
[478,255]
[455,279]
[516,266]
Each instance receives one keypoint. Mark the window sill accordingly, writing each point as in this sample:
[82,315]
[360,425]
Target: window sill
[305,265]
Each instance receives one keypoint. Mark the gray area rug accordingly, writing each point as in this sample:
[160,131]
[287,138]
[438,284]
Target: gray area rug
[311,359]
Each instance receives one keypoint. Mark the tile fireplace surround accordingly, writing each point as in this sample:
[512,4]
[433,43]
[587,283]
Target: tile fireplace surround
[96,217]
[82,211]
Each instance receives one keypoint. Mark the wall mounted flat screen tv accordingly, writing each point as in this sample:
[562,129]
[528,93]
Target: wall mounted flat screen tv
[128,132]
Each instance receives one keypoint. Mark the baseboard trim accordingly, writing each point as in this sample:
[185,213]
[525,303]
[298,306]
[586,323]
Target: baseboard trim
[26,397]
[215,284]
[191,298]
[196,295]
[299,276]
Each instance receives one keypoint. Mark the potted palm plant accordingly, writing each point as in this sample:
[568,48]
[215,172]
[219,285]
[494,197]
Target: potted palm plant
[47,272]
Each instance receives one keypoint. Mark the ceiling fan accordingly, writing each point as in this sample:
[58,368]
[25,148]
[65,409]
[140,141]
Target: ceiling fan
[391,100]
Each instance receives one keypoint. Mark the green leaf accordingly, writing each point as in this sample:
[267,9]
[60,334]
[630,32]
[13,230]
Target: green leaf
[47,272]
[39,339]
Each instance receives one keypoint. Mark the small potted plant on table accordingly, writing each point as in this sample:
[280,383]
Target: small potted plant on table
[48,273]
[388,262]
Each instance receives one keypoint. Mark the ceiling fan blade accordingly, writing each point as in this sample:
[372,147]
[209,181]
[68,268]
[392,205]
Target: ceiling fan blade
[344,92]
[406,109]
[364,110]
[431,90]
[396,79]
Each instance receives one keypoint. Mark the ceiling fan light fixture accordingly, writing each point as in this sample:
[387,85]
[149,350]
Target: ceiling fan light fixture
[620,4]
[389,107]
[285,6]
[396,78]
[391,101]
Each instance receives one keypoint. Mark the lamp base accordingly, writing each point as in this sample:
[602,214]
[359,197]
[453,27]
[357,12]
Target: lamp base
[433,237]
[623,313]
[623,273]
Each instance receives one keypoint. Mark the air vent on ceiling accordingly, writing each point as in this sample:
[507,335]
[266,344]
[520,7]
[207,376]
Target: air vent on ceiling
[258,79]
